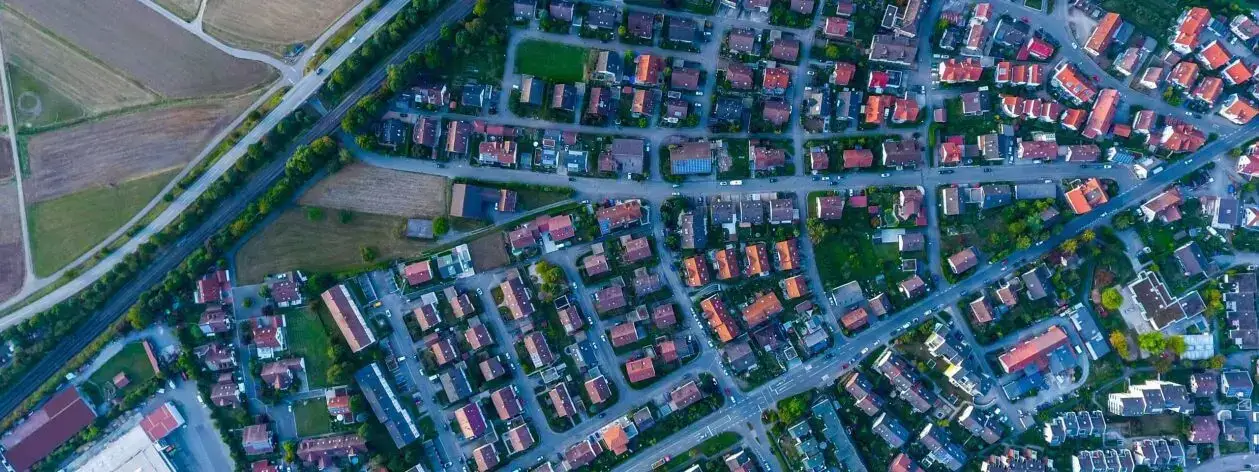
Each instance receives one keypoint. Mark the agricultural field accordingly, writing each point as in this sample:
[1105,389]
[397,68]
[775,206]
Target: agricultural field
[12,255]
[289,242]
[6,157]
[64,228]
[129,37]
[109,152]
[186,9]
[50,67]
[552,61]
[271,26]
[366,189]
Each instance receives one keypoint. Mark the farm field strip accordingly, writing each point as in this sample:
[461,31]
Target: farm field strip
[138,41]
[368,189]
[82,79]
[271,26]
[111,151]
[12,253]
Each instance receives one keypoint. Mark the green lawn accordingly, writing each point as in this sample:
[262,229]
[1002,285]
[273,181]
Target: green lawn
[130,360]
[64,228]
[552,61]
[286,244]
[312,418]
[30,93]
[311,341]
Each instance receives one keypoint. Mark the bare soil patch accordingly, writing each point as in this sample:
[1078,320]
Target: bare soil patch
[6,158]
[82,79]
[272,26]
[130,37]
[122,148]
[295,241]
[186,9]
[12,258]
[488,252]
[367,189]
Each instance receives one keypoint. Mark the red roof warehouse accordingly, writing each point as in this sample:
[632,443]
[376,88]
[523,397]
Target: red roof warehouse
[1034,350]
[46,429]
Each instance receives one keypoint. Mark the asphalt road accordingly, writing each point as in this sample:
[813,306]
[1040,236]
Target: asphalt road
[172,255]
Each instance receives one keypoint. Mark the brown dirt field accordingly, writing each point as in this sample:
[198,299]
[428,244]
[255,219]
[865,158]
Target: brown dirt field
[130,37]
[12,258]
[186,9]
[488,252]
[123,148]
[294,241]
[6,158]
[273,25]
[82,79]
[367,189]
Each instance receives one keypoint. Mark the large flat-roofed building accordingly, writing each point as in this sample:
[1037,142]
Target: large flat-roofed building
[46,429]
[349,318]
[385,405]
[1033,351]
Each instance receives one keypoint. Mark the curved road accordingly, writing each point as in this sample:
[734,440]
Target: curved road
[263,179]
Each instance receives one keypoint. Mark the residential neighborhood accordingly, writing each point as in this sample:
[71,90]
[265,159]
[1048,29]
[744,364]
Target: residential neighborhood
[707,235]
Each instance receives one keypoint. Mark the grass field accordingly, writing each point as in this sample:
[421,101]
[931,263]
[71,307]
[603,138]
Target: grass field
[50,60]
[45,105]
[1152,17]
[311,417]
[130,360]
[288,243]
[552,61]
[304,325]
[185,9]
[65,227]
[271,26]
[368,189]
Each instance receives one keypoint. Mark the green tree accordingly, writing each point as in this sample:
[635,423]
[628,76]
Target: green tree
[1177,345]
[344,216]
[1111,299]
[441,226]
[368,253]
[1153,342]
[314,214]
[1216,362]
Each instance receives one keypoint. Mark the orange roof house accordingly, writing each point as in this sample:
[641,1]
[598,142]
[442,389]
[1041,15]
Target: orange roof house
[758,259]
[1214,55]
[1102,35]
[1072,82]
[719,318]
[696,271]
[764,306]
[1102,115]
[1237,72]
[1188,26]
[795,287]
[1087,196]
[1238,110]
[1184,74]
[1209,90]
